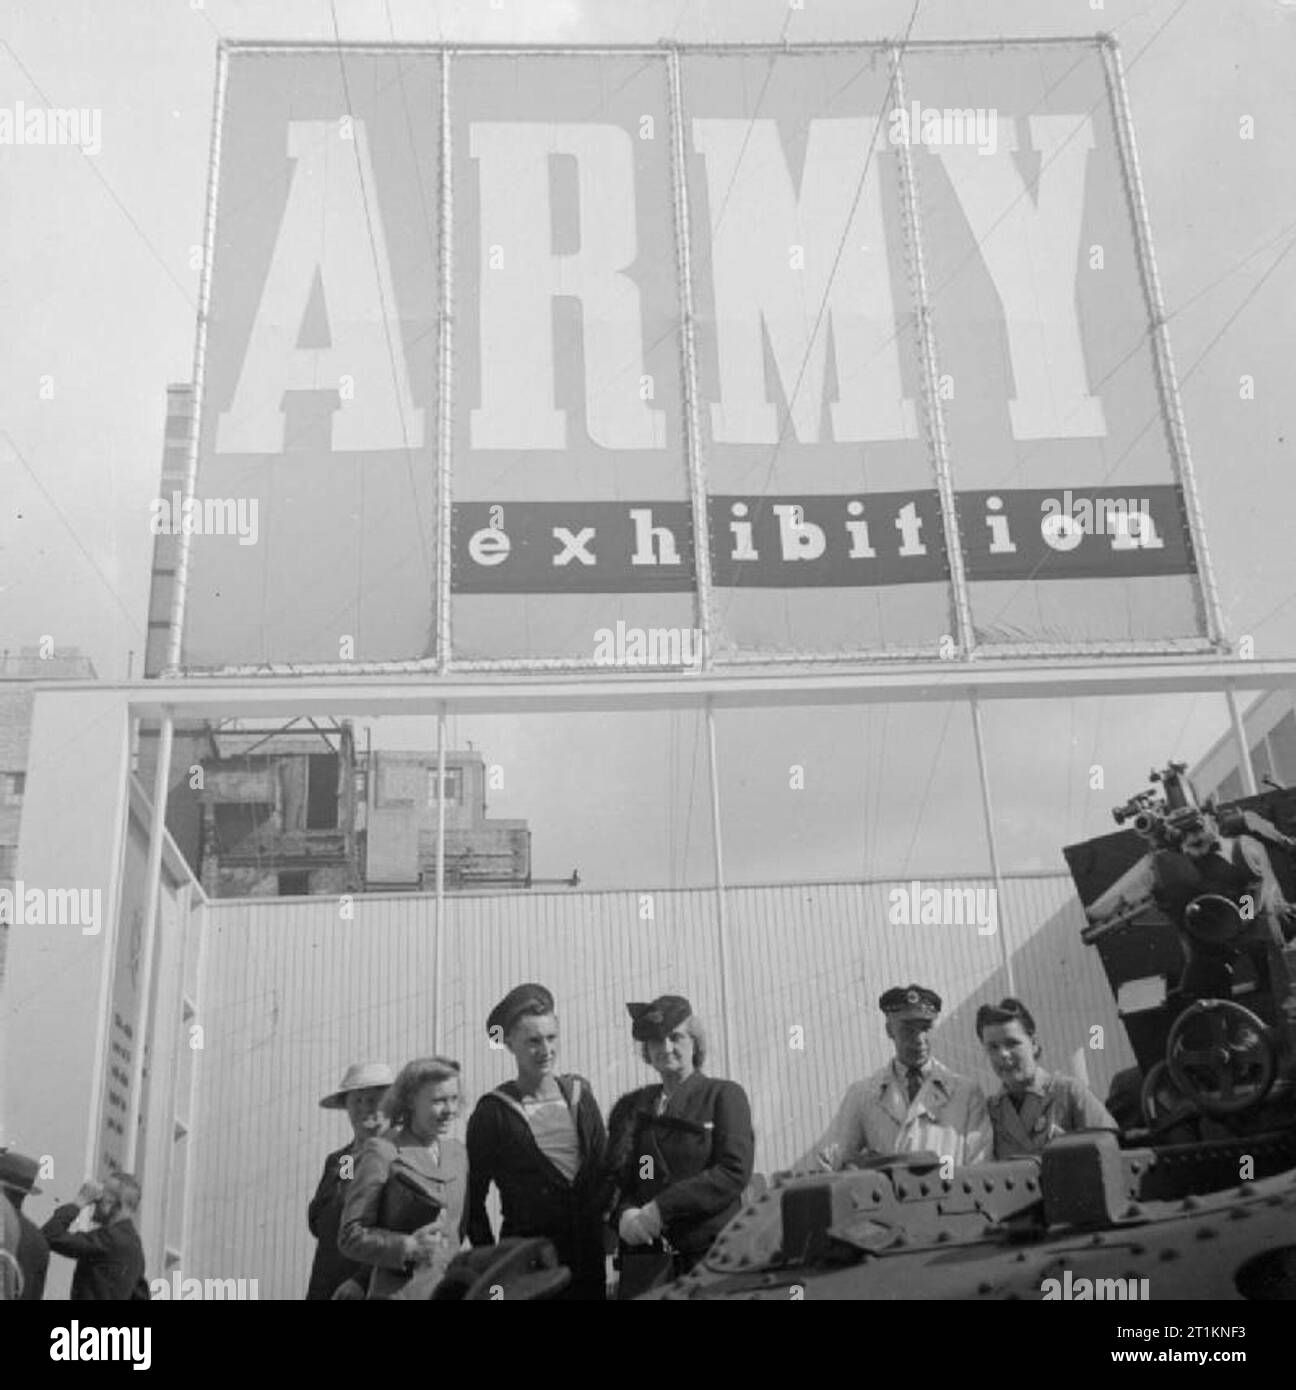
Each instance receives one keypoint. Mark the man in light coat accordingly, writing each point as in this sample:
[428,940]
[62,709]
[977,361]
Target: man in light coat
[914,1104]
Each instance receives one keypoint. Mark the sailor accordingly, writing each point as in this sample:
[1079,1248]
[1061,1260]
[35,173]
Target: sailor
[1033,1106]
[540,1139]
[914,1104]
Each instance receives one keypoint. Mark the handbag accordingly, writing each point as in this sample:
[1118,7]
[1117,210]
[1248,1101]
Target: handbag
[645,1268]
[407,1202]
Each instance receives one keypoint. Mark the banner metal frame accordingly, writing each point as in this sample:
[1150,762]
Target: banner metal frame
[688,368]
[442,605]
[180,583]
[1167,380]
[716,658]
[937,440]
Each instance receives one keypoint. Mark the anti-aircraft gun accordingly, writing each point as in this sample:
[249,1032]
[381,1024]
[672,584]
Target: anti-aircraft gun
[1188,908]
[1191,922]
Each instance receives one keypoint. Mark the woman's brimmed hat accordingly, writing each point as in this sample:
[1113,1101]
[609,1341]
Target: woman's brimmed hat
[360,1076]
[652,1022]
[516,1004]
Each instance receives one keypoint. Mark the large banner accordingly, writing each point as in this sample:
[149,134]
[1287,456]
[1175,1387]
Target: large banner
[806,353]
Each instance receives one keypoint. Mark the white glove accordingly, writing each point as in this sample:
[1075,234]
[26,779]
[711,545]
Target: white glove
[421,1246]
[630,1228]
[650,1221]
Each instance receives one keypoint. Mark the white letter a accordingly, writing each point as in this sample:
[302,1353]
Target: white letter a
[325,233]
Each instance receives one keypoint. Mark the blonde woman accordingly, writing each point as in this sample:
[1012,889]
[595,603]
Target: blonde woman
[404,1212]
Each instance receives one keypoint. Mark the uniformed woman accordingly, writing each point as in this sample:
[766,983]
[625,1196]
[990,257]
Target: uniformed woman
[679,1153]
[1033,1106]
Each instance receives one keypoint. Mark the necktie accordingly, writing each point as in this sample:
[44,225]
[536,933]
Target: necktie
[913,1082]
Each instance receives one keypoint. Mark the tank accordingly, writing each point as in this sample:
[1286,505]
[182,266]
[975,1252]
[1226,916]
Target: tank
[1195,945]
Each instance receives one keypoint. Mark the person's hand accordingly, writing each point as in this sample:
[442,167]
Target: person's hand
[348,1291]
[422,1246]
[633,1229]
[88,1193]
[650,1221]
[825,1160]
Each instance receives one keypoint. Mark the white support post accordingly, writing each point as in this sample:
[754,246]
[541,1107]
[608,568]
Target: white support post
[1245,767]
[717,846]
[438,945]
[148,945]
[98,1087]
[987,810]
[445,392]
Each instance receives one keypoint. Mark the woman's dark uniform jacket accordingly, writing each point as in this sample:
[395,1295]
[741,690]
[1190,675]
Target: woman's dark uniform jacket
[535,1198]
[702,1150]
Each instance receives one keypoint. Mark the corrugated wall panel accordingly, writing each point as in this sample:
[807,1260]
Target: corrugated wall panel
[1062,981]
[292,993]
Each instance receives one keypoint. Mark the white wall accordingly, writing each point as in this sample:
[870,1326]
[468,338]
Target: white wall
[52,1003]
[64,987]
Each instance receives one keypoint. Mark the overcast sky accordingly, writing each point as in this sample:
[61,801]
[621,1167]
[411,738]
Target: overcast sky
[97,309]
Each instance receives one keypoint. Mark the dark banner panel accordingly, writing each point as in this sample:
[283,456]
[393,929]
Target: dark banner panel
[1079,533]
[573,548]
